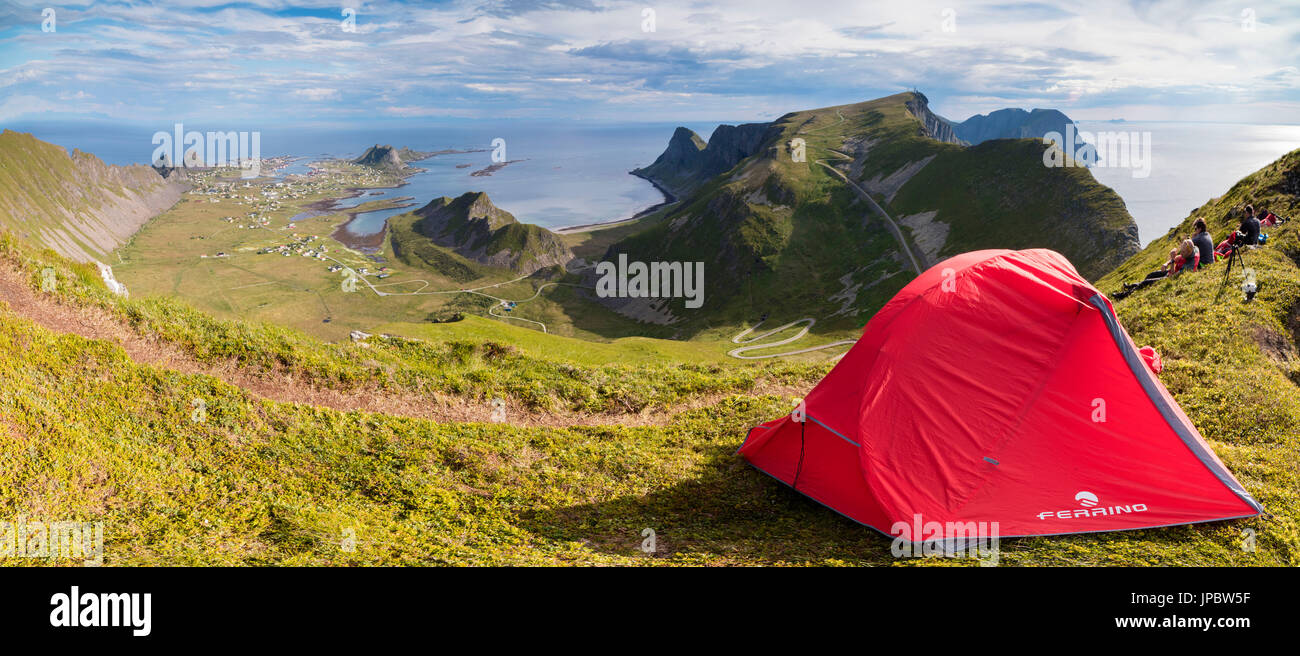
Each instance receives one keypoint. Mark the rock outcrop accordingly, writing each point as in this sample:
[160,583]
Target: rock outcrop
[689,161]
[932,125]
[381,157]
[471,226]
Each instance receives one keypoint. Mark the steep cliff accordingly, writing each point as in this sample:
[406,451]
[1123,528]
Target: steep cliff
[76,204]
[932,125]
[689,161]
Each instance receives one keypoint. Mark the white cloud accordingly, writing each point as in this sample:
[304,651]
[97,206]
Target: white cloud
[316,94]
[16,106]
[737,59]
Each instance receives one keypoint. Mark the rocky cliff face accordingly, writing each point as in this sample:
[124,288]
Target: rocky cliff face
[76,204]
[1011,123]
[934,127]
[689,161]
[473,227]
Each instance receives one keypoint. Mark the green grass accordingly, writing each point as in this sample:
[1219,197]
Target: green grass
[998,194]
[87,434]
[476,358]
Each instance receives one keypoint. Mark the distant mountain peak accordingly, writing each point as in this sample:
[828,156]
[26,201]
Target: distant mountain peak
[381,157]
[1011,123]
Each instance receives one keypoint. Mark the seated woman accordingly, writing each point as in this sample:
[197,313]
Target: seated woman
[1188,257]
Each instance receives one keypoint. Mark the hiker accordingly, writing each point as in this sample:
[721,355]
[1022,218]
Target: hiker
[1204,243]
[1250,227]
[1188,256]
[1163,272]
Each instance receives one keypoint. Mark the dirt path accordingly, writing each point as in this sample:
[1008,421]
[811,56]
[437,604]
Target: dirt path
[94,323]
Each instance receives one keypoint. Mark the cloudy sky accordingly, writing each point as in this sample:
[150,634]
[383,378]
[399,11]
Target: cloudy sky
[650,60]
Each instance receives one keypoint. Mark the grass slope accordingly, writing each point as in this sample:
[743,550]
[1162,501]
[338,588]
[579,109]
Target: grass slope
[87,434]
[998,194]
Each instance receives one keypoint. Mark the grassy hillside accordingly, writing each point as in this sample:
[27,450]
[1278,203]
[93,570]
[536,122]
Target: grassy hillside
[1067,211]
[598,441]
[475,230]
[90,434]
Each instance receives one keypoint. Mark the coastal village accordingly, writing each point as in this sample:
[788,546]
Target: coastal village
[277,205]
[276,249]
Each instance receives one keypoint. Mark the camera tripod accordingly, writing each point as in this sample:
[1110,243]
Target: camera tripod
[1237,254]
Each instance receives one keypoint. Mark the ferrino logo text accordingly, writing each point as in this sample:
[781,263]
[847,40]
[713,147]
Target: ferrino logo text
[1090,508]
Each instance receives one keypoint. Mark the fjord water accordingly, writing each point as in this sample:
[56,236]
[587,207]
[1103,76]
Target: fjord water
[1190,164]
[575,174]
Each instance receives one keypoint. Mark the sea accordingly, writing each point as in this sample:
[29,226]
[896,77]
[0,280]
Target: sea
[568,174]
[1191,163]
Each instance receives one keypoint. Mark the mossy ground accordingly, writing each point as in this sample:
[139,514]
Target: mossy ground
[90,435]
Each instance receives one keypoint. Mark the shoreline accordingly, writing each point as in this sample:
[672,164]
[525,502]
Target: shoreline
[372,242]
[669,199]
[367,244]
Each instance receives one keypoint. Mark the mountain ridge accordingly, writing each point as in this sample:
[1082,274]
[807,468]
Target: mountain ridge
[75,203]
[689,160]
[789,228]
[1011,123]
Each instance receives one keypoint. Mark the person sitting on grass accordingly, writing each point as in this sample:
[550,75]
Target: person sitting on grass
[1269,219]
[1188,257]
[1250,226]
[1204,243]
[1163,272]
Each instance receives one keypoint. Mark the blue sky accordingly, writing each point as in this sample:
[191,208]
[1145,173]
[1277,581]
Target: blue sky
[272,62]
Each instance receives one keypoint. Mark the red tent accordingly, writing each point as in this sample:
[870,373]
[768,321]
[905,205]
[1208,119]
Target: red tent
[999,386]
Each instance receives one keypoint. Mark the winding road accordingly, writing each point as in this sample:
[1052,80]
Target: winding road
[740,339]
[917,266]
